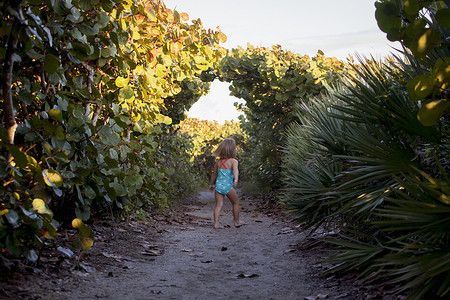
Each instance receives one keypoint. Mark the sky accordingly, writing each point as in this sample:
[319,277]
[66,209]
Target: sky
[337,27]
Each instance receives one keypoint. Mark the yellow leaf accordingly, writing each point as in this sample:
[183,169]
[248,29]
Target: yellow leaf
[121,82]
[135,35]
[86,243]
[222,37]
[184,16]
[4,212]
[39,205]
[76,223]
[52,178]
[444,199]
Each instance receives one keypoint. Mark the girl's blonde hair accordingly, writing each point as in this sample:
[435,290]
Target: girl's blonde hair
[226,149]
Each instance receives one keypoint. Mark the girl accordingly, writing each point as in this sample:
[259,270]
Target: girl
[224,179]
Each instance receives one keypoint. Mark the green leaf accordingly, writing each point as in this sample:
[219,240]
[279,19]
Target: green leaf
[430,112]
[107,5]
[443,17]
[88,30]
[420,87]
[387,15]
[83,212]
[52,178]
[118,188]
[13,218]
[126,93]
[89,192]
[421,44]
[59,133]
[55,114]
[51,63]
[20,158]
[80,51]
[106,52]
[85,4]
[13,246]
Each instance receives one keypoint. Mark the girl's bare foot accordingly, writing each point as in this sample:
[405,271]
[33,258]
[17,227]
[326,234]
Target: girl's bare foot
[218,226]
[237,225]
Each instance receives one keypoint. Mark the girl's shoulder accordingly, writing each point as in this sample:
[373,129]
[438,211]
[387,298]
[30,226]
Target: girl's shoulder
[233,161]
[229,162]
[229,159]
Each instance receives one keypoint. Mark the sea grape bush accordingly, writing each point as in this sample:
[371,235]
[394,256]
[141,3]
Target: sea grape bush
[83,109]
[272,82]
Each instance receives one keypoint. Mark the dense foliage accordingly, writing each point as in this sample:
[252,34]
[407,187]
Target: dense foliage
[205,136]
[272,81]
[422,27]
[85,96]
[367,160]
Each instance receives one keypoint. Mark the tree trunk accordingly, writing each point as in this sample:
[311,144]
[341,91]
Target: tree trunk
[8,106]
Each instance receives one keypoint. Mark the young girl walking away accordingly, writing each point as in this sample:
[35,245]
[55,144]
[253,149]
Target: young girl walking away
[224,179]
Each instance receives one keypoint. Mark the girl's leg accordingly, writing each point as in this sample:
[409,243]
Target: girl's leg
[217,209]
[232,195]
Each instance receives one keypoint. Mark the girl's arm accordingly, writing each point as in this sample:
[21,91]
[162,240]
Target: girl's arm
[235,172]
[212,181]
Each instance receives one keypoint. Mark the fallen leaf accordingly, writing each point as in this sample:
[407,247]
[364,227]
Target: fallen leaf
[67,252]
[87,268]
[242,275]
[152,252]
[109,255]
[187,250]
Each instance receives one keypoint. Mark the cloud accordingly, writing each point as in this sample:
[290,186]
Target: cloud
[218,105]
[365,42]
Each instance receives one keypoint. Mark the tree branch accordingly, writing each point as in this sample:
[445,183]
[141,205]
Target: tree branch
[97,112]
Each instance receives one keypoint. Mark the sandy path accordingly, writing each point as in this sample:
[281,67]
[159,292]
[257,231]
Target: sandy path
[202,263]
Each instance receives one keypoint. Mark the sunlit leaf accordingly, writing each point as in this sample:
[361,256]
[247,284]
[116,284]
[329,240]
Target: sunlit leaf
[184,16]
[122,82]
[86,243]
[52,178]
[222,37]
[126,92]
[421,86]
[41,207]
[421,45]
[77,223]
[430,112]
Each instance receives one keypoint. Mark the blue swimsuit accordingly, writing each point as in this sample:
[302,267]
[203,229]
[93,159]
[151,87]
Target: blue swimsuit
[225,177]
